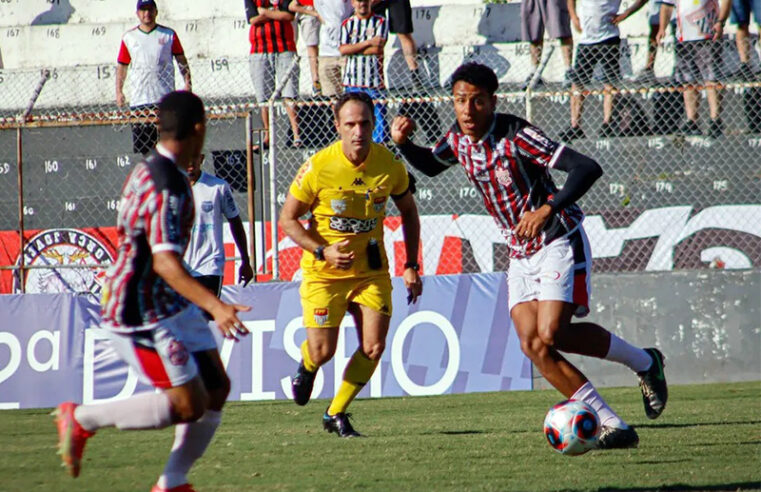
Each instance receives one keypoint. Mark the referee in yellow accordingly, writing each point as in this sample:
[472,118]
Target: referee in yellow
[345,187]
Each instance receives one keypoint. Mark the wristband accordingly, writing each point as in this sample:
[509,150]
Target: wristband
[319,252]
[412,264]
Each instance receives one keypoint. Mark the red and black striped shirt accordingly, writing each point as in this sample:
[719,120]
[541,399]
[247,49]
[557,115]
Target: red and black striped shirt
[271,36]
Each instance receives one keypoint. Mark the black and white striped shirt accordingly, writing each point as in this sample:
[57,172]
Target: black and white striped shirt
[363,70]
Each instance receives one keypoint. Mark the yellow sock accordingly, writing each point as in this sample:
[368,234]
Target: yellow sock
[308,364]
[357,374]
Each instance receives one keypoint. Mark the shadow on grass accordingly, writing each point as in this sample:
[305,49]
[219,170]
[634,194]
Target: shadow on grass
[681,486]
[696,424]
[460,432]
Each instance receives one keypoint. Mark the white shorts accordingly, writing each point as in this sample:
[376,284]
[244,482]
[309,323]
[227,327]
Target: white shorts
[162,356]
[558,272]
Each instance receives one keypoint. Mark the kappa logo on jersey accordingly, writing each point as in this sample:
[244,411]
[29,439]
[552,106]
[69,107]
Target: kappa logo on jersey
[482,175]
[58,247]
[348,224]
[178,354]
[207,206]
[338,206]
[321,316]
[357,182]
[503,177]
[379,204]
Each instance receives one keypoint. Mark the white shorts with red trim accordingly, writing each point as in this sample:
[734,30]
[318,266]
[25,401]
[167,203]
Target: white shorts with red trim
[559,271]
[162,356]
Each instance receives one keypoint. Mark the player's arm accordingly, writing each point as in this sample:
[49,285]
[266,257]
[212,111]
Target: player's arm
[665,17]
[629,12]
[245,272]
[182,64]
[168,265]
[572,14]
[289,221]
[411,233]
[123,61]
[421,158]
[718,28]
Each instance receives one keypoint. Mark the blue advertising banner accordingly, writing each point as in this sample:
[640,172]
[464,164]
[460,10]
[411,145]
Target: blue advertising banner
[456,339]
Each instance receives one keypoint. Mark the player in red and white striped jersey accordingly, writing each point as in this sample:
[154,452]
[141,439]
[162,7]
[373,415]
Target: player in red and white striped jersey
[150,309]
[508,161]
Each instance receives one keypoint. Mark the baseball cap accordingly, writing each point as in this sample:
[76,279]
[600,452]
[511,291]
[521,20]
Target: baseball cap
[144,4]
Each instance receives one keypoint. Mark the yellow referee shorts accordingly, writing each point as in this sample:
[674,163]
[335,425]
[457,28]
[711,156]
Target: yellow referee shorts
[325,301]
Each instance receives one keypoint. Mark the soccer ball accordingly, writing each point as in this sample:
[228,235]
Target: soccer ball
[572,427]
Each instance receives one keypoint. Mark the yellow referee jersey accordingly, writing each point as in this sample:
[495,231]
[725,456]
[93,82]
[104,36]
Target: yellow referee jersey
[348,202]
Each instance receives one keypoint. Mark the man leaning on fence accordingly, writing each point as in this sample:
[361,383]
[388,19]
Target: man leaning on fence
[330,66]
[147,51]
[273,52]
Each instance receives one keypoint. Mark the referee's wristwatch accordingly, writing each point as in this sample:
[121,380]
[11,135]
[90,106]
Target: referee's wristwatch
[412,264]
[319,252]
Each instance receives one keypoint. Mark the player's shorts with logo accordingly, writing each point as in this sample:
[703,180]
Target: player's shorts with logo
[162,356]
[558,272]
[325,301]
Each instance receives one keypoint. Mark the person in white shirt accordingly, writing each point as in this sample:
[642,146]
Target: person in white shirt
[698,55]
[599,44]
[332,13]
[205,255]
[147,51]
[308,20]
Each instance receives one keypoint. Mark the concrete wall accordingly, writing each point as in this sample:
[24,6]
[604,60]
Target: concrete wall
[707,324]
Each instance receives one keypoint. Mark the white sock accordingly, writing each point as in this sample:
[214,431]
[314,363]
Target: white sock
[190,442]
[588,394]
[142,411]
[627,354]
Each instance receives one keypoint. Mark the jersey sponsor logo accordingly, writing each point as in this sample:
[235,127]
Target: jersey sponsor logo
[379,204]
[348,224]
[503,177]
[80,255]
[178,354]
[321,316]
[357,182]
[207,206]
[338,206]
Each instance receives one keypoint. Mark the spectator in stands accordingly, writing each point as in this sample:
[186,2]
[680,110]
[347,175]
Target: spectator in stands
[205,255]
[647,75]
[273,52]
[740,15]
[399,16]
[599,44]
[308,20]
[332,13]
[698,55]
[552,14]
[363,37]
[147,51]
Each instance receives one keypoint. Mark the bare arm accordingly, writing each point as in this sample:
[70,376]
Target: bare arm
[276,15]
[297,8]
[572,13]
[372,46]
[411,232]
[724,10]
[245,272]
[629,12]
[182,63]
[121,76]
[168,266]
[666,11]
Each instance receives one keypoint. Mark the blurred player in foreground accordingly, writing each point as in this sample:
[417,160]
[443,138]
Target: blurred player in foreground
[508,161]
[346,187]
[150,309]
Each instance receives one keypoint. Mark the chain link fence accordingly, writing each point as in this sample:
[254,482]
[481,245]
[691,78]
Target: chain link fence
[671,197]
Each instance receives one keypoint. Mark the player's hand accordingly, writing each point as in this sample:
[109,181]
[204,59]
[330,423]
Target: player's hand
[337,257]
[226,318]
[245,273]
[718,31]
[619,18]
[660,35]
[120,99]
[532,222]
[401,129]
[576,23]
[413,283]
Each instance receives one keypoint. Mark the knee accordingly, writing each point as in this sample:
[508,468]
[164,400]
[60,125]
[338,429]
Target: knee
[219,393]
[534,348]
[191,406]
[321,352]
[374,350]
[546,332]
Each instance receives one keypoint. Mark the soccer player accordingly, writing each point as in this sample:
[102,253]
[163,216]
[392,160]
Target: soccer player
[150,309]
[346,187]
[507,159]
[205,255]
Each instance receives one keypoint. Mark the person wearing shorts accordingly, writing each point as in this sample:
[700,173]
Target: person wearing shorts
[399,16]
[331,63]
[599,45]
[548,281]
[308,20]
[346,187]
[740,15]
[698,56]
[552,15]
[151,309]
[273,54]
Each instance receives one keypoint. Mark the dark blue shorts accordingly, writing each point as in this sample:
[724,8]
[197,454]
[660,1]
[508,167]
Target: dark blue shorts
[741,10]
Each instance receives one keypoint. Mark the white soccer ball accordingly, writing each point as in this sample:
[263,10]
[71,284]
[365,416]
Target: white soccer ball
[572,427]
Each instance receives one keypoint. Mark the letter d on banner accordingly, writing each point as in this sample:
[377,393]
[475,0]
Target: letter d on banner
[88,371]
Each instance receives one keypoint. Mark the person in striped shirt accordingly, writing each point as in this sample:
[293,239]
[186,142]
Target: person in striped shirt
[150,309]
[508,160]
[363,37]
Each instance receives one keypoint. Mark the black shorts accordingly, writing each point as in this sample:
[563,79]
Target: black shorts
[399,15]
[214,284]
[144,135]
[589,55]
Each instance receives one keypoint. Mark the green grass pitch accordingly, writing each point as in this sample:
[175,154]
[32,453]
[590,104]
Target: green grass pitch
[709,438]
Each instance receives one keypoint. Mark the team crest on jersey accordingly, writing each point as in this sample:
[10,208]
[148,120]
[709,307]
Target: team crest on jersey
[178,354]
[321,316]
[379,204]
[71,249]
[207,206]
[503,177]
[338,206]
